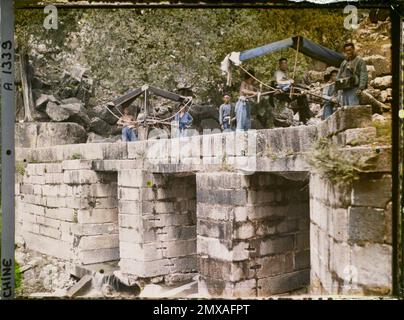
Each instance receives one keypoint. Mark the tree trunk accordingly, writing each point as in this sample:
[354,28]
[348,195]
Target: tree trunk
[26,88]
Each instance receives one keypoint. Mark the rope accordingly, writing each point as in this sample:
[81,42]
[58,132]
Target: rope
[256,79]
[185,105]
[112,112]
[119,111]
[154,120]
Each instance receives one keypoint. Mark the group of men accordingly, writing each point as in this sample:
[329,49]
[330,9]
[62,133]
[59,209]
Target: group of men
[342,87]
[130,126]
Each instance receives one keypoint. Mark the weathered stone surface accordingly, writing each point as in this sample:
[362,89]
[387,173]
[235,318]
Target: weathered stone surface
[250,231]
[42,101]
[302,260]
[221,180]
[64,214]
[50,134]
[213,212]
[47,245]
[97,216]
[158,267]
[209,287]
[382,82]
[100,127]
[96,138]
[283,141]
[366,224]
[225,270]
[77,164]
[369,273]
[79,288]
[56,112]
[372,191]
[283,283]
[77,113]
[80,177]
[360,136]
[98,255]
[98,242]
[92,229]
[234,197]
[348,117]
[380,63]
[26,135]
[213,229]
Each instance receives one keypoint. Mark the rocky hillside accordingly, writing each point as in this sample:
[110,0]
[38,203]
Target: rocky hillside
[68,76]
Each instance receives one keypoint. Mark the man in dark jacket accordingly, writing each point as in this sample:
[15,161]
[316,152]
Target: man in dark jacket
[225,113]
[329,94]
[352,77]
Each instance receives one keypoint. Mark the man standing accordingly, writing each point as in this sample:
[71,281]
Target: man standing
[352,77]
[329,94]
[284,83]
[225,113]
[128,123]
[183,120]
[243,108]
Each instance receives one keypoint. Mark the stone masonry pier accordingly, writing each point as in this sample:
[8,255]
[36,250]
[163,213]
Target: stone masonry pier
[245,211]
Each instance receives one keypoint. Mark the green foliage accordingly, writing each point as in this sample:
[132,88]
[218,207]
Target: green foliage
[17,275]
[20,168]
[383,131]
[339,166]
[125,48]
[225,166]
[29,27]
[76,156]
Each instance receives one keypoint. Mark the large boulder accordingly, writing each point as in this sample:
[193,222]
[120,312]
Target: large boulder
[99,126]
[371,72]
[209,124]
[283,117]
[50,134]
[382,82]
[109,115]
[205,117]
[56,113]
[43,100]
[77,113]
[45,134]
[76,83]
[72,112]
[70,100]
[381,64]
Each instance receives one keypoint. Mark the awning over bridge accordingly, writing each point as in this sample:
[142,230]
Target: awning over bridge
[306,47]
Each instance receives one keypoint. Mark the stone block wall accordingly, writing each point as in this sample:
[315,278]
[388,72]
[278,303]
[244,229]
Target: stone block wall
[68,211]
[247,235]
[253,234]
[351,235]
[157,225]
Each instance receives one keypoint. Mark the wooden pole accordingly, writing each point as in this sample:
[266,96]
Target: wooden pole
[294,67]
[26,88]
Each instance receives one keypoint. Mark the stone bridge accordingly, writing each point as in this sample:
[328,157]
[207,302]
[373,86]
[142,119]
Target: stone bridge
[245,211]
